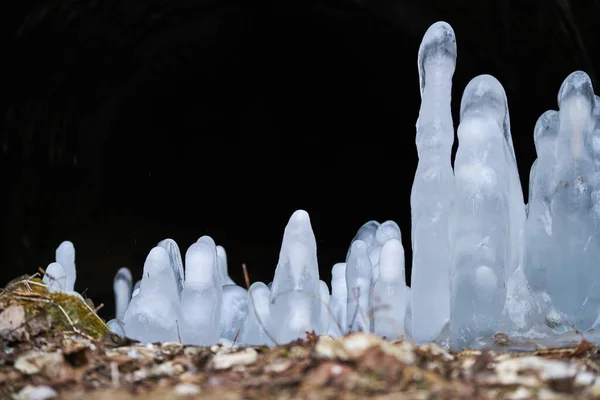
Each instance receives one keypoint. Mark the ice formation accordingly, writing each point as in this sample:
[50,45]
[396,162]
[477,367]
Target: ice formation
[433,186]
[122,286]
[65,256]
[55,277]
[483,261]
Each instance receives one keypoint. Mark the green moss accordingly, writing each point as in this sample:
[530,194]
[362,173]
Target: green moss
[67,313]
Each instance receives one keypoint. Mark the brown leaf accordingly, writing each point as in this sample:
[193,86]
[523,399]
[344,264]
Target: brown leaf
[312,338]
[581,348]
[381,364]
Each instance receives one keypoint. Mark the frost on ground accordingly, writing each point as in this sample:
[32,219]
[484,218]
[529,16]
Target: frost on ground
[70,354]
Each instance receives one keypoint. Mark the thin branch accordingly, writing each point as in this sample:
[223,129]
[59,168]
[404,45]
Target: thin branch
[355,293]
[178,334]
[236,338]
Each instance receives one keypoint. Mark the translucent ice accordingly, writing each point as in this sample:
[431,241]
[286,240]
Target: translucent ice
[234,311]
[295,308]
[222,264]
[485,96]
[325,316]
[573,275]
[153,315]
[55,277]
[201,296]
[175,260]
[117,327]
[258,318]
[542,185]
[339,299]
[366,233]
[433,186]
[359,274]
[65,256]
[122,284]
[217,274]
[136,288]
[390,292]
[479,228]
[386,231]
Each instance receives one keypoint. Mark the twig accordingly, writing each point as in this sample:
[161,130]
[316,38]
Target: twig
[68,319]
[235,338]
[356,294]
[94,311]
[251,297]
[312,296]
[90,309]
[178,334]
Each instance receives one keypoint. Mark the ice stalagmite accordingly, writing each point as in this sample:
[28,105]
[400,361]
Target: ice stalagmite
[122,285]
[573,275]
[202,295]
[359,275]
[223,267]
[55,277]
[295,308]
[65,256]
[339,299]
[258,317]
[234,311]
[486,96]
[390,292]
[433,185]
[387,230]
[538,236]
[153,314]
[217,274]
[479,223]
[175,260]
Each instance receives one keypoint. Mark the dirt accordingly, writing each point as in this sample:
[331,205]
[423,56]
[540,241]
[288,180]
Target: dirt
[55,346]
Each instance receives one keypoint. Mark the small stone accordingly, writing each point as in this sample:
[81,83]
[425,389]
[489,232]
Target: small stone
[187,389]
[225,361]
[35,362]
[36,393]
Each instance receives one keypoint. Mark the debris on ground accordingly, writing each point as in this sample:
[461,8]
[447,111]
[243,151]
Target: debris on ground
[70,354]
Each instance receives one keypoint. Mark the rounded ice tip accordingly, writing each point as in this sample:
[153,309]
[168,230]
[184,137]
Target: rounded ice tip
[388,230]
[578,84]
[221,252]
[300,216]
[485,94]
[124,274]
[358,245]
[338,271]
[438,44]
[208,240]
[156,261]
[391,260]
[199,263]
[546,127]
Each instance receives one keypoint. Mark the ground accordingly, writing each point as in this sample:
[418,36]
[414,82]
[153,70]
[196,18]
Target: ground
[55,346]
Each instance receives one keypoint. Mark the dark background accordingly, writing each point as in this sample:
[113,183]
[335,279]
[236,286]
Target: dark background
[130,122]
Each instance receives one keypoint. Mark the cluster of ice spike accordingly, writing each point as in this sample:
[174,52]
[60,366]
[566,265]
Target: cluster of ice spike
[483,261]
